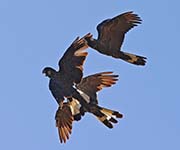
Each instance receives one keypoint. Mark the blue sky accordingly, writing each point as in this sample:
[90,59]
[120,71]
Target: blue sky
[35,34]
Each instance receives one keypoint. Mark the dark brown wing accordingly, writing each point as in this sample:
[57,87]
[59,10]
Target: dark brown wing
[71,64]
[64,120]
[111,32]
[93,83]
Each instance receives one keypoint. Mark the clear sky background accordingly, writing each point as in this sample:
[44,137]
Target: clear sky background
[35,34]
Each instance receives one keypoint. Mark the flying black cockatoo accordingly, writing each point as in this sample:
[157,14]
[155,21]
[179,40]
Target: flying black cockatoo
[70,73]
[88,88]
[62,81]
[111,34]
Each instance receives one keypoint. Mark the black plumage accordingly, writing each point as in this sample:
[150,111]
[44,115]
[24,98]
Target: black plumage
[62,81]
[88,88]
[111,34]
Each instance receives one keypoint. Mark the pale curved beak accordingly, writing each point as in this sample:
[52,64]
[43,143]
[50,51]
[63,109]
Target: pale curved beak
[43,72]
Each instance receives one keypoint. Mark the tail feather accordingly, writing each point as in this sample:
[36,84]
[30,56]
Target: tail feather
[113,120]
[132,58]
[64,120]
[76,109]
[107,123]
[111,113]
[104,120]
[106,116]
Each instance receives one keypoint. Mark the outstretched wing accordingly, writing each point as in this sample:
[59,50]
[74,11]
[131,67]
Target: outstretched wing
[71,64]
[64,120]
[111,32]
[93,83]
